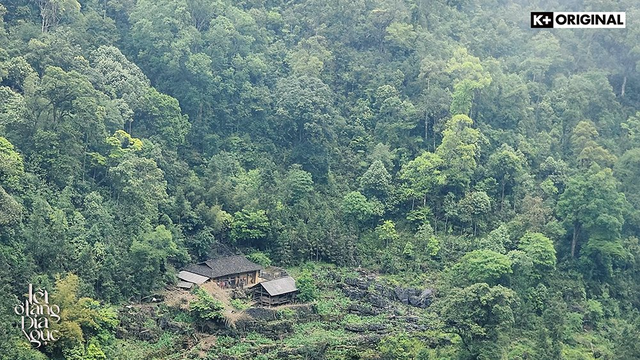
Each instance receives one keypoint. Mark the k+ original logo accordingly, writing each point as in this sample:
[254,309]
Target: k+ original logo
[578,20]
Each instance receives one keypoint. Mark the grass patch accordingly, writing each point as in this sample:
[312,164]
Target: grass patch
[332,303]
[312,333]
[352,319]
[239,304]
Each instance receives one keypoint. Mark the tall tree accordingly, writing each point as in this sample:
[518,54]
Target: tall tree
[422,176]
[592,202]
[459,151]
[506,164]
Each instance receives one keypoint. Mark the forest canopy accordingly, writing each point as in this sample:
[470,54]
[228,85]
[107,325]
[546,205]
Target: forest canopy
[445,142]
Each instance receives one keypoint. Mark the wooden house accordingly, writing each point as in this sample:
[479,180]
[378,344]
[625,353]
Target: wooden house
[227,272]
[276,292]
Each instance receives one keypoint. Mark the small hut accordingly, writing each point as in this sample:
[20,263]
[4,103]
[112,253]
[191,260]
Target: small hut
[227,272]
[276,292]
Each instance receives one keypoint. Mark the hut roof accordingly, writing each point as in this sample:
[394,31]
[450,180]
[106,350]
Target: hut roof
[279,286]
[215,268]
[191,277]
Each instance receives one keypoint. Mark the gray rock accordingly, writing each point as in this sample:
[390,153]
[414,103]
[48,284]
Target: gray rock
[402,295]
[426,298]
[363,310]
[378,301]
[354,294]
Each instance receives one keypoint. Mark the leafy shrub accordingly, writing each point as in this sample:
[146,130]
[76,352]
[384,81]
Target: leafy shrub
[594,312]
[206,307]
[307,288]
[260,258]
[286,313]
[401,347]
[481,266]
[239,304]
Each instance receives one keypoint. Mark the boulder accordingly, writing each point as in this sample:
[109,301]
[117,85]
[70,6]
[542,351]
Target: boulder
[354,294]
[426,298]
[402,295]
[363,310]
[378,301]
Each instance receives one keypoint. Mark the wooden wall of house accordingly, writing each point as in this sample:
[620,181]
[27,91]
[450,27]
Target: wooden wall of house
[237,280]
[263,297]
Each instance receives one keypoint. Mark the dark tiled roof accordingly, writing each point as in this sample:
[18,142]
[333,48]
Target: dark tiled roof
[279,286]
[224,266]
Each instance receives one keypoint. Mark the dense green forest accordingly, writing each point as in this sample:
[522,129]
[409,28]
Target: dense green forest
[439,144]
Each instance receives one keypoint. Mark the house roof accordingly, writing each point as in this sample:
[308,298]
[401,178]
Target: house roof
[215,268]
[280,286]
[191,277]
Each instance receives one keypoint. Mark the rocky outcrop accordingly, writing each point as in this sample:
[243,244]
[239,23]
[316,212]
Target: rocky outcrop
[367,289]
[368,328]
[360,309]
[414,297]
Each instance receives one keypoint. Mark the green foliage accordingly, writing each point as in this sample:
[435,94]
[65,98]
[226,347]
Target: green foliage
[587,149]
[539,249]
[307,290]
[249,226]
[422,176]
[239,304]
[401,347]
[205,307]
[473,207]
[594,313]
[386,233]
[150,257]
[481,266]
[358,208]
[469,77]
[10,210]
[408,251]
[11,165]
[459,150]
[80,319]
[367,134]
[480,315]
[592,202]
[433,246]
[299,183]
[122,143]
[375,182]
[260,258]
[162,119]
[94,352]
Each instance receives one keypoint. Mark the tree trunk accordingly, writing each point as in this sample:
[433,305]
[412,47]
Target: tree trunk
[502,197]
[624,85]
[426,128]
[84,154]
[574,241]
